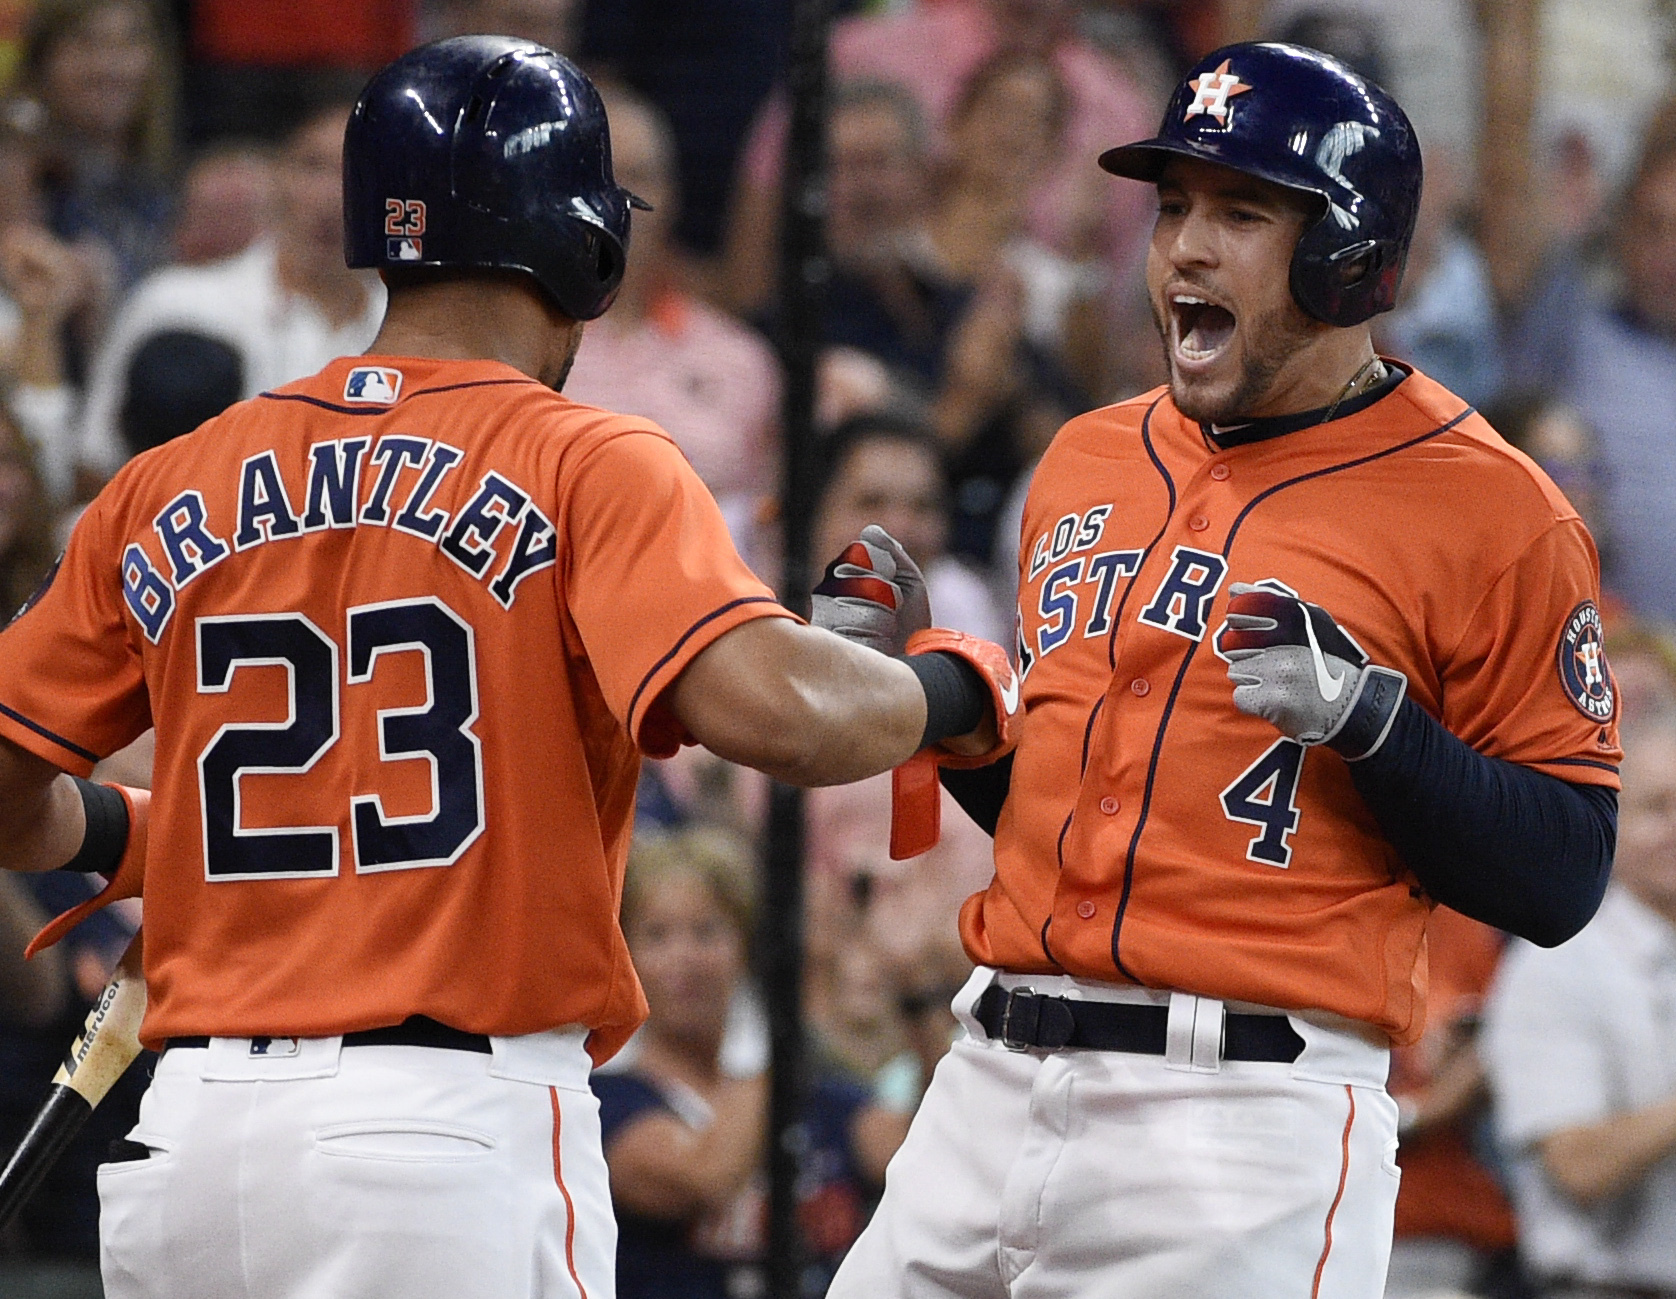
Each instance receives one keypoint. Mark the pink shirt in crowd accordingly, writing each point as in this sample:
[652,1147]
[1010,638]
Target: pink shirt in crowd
[712,383]
[932,50]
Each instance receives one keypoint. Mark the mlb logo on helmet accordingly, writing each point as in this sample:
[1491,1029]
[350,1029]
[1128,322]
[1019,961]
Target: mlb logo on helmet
[374,384]
[405,250]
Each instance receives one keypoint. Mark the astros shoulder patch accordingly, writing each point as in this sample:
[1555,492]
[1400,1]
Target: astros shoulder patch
[1582,663]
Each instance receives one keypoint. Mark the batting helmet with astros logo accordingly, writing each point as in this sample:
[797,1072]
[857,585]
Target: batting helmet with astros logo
[487,152]
[1298,118]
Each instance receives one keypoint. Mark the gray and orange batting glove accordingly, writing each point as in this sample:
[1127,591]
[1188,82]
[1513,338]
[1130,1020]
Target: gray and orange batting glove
[1298,670]
[873,594]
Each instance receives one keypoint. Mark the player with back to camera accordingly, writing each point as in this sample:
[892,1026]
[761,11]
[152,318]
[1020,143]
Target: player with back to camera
[404,629]
[1207,921]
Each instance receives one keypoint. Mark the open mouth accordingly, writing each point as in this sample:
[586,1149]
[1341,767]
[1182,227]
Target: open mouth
[1202,328]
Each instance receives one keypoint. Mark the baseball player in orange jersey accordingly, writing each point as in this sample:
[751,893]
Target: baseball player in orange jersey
[404,629]
[1305,647]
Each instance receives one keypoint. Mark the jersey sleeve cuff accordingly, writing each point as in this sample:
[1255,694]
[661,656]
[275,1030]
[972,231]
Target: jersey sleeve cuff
[45,743]
[1578,771]
[655,729]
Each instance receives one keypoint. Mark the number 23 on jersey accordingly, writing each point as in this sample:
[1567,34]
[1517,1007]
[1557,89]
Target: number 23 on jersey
[325,677]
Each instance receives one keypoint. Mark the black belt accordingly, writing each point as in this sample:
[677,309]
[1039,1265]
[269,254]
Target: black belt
[416,1030]
[1020,1019]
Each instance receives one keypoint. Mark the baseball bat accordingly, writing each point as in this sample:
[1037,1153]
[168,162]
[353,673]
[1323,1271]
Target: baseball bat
[101,1053]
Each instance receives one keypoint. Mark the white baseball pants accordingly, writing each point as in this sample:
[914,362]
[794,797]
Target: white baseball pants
[328,1172]
[1080,1174]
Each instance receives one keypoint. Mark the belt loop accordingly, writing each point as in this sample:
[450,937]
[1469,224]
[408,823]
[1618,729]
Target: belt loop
[1209,1018]
[1178,1032]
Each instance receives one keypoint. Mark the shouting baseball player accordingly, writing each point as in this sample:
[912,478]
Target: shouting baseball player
[404,629]
[1306,647]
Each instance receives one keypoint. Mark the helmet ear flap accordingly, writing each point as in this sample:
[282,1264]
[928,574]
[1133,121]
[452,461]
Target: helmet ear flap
[582,268]
[1350,266]
[1345,285]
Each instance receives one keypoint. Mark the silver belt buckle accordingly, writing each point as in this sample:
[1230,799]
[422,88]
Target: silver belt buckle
[1007,1039]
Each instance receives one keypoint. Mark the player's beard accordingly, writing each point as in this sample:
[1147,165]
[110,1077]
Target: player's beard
[1266,344]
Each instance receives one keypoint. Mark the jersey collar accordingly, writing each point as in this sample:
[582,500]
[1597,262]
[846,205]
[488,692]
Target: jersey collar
[1261,430]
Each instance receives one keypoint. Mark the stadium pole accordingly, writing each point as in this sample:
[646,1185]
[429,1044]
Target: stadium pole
[803,276]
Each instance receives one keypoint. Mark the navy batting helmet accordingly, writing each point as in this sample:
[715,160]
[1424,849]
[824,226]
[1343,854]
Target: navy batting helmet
[484,151]
[1300,119]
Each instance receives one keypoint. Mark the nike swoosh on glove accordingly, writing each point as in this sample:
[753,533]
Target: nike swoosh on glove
[1296,668]
[873,594]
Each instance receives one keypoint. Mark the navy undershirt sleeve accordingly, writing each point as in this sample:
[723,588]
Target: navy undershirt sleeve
[1508,845]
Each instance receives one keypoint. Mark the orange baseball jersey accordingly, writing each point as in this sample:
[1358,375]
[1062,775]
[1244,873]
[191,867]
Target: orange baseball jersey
[403,628]
[1153,832]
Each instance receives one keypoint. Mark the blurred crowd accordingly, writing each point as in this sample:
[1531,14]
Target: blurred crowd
[170,243]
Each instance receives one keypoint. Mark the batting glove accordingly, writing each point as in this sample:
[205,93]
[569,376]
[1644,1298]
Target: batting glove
[873,594]
[127,882]
[916,796]
[1298,670]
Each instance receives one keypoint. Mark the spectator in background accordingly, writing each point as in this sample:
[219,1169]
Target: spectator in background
[707,65]
[102,76]
[664,354]
[1554,433]
[287,305]
[27,541]
[1454,1228]
[1445,321]
[258,66]
[226,203]
[546,22]
[1622,370]
[850,1006]
[1643,659]
[869,916]
[957,349]
[932,50]
[879,300]
[887,470]
[176,380]
[45,1000]
[1580,1042]
[1004,130]
[46,283]
[682,1136]
[33,994]
[1351,38]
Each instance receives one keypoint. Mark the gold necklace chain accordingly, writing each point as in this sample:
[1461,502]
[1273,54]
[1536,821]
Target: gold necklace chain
[1373,370]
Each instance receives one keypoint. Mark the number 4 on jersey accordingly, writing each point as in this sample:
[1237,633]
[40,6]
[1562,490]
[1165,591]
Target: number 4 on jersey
[1265,794]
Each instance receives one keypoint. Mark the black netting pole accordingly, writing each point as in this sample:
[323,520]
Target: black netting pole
[803,274]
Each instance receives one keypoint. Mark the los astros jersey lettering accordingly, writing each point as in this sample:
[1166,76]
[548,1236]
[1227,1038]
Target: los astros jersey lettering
[403,628]
[1153,832]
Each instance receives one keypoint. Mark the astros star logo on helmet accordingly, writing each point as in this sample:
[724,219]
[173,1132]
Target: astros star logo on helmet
[1212,91]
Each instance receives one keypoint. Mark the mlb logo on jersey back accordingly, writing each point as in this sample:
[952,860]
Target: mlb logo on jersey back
[374,384]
